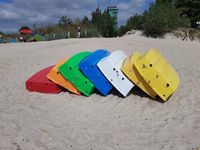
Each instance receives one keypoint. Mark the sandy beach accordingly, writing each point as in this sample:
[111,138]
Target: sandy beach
[35,121]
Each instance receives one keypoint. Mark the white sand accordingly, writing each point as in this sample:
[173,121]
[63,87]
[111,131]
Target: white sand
[33,121]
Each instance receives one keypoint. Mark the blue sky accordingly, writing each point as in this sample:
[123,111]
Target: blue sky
[15,13]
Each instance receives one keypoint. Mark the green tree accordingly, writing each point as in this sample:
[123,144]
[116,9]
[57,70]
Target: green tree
[65,21]
[96,15]
[159,19]
[135,22]
[108,25]
[189,9]
[122,30]
[104,23]
[85,21]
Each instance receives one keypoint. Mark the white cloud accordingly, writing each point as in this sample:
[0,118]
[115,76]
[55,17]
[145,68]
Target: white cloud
[123,6]
[8,15]
[132,4]
[127,9]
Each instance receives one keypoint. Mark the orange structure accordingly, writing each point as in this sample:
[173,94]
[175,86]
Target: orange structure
[55,76]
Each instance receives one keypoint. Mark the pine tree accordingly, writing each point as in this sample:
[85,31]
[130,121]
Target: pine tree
[189,9]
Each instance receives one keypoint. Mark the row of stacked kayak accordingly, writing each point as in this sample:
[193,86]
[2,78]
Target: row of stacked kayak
[104,71]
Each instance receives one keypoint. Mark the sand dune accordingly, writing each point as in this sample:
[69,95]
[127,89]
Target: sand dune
[33,121]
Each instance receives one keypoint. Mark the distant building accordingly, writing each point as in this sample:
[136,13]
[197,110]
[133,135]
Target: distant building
[112,12]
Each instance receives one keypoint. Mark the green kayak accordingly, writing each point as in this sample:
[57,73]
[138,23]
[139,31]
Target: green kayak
[70,70]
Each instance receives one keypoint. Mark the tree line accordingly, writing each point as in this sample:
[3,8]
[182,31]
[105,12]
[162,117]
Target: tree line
[100,24]
[161,17]
[164,16]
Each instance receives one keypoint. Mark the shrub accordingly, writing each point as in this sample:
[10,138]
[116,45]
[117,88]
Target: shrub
[122,30]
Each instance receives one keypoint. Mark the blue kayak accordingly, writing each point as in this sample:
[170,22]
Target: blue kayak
[88,67]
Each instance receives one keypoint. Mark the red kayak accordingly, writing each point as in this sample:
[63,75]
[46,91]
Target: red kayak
[40,83]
